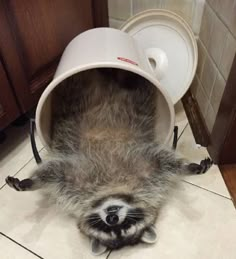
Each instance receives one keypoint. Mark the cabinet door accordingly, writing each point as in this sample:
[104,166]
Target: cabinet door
[8,107]
[34,34]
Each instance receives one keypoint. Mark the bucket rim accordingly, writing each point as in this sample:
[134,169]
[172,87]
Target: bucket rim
[134,69]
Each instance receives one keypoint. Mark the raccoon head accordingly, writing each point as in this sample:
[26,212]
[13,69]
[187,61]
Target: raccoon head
[118,220]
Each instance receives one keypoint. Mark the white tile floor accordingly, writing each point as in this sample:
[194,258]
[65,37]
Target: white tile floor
[198,223]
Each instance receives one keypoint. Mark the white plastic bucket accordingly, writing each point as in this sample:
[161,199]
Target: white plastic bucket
[100,48]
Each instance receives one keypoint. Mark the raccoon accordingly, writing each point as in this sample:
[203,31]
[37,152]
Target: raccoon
[106,167]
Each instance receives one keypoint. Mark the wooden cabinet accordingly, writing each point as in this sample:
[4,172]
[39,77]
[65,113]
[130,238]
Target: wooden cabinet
[33,35]
[9,110]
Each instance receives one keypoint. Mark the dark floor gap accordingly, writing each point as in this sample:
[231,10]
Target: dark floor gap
[21,245]
[207,190]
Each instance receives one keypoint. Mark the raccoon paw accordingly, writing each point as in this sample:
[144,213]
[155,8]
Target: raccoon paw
[97,247]
[201,168]
[13,183]
[206,165]
[18,185]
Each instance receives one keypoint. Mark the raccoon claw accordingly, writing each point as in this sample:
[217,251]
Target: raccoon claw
[97,247]
[18,185]
[205,164]
[13,183]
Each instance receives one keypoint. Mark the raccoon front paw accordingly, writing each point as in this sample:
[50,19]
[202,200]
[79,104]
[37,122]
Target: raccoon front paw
[13,183]
[206,165]
[18,185]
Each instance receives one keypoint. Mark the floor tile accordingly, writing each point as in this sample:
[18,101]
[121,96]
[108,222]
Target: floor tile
[212,180]
[28,219]
[197,224]
[16,151]
[10,250]
[180,117]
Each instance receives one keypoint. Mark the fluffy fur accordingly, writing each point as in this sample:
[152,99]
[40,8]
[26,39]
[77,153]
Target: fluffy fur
[106,158]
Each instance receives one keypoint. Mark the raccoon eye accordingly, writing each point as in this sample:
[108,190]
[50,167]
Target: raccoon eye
[113,209]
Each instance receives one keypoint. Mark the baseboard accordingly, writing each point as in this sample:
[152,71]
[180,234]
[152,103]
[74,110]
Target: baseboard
[196,121]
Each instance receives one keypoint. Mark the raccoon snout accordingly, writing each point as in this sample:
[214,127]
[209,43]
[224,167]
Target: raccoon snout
[112,219]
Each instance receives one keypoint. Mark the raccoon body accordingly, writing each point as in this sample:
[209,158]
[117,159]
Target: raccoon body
[106,166]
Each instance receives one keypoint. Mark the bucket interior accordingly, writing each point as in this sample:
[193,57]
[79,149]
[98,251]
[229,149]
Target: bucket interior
[52,110]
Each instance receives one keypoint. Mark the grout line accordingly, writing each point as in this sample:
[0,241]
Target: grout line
[222,196]
[131,8]
[205,94]
[109,254]
[21,245]
[193,14]
[162,6]
[116,19]
[228,27]
[21,168]
[208,55]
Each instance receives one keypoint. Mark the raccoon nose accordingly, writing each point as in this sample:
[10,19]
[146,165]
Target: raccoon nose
[112,219]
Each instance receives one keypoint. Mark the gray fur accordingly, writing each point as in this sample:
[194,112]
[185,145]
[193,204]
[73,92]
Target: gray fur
[103,146]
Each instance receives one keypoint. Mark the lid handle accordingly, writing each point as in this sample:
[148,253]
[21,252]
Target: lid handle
[158,61]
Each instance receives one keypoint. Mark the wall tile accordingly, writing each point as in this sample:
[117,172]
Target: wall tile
[224,8]
[210,118]
[202,99]
[113,23]
[213,4]
[119,9]
[194,86]
[201,57]
[210,1]
[197,16]
[182,7]
[208,75]
[228,56]
[207,25]
[217,92]
[232,25]
[217,43]
[142,5]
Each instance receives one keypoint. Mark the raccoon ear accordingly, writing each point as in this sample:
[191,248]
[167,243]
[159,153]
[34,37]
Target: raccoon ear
[149,236]
[97,247]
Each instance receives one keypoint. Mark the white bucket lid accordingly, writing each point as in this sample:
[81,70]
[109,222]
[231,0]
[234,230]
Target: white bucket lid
[168,36]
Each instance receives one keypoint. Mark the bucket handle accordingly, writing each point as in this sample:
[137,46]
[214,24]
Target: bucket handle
[33,142]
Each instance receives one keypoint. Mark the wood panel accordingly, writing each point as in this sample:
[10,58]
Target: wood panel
[8,107]
[34,34]
[223,141]
[195,119]
[100,13]
[228,153]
